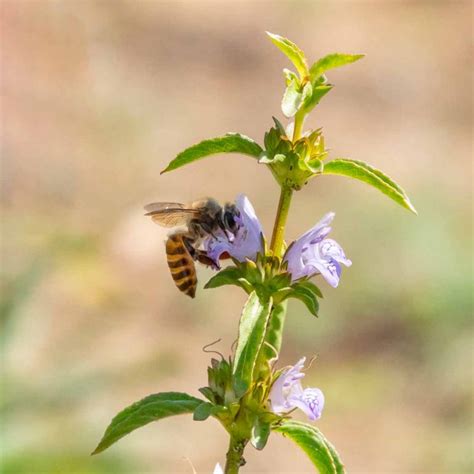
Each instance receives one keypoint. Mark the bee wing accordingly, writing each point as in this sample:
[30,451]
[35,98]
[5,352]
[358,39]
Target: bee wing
[160,206]
[170,214]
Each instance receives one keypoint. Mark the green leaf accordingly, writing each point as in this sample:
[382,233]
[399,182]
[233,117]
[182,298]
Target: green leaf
[151,408]
[260,433]
[310,286]
[363,172]
[208,393]
[332,61]
[294,54]
[317,94]
[321,453]
[335,457]
[279,127]
[229,276]
[203,411]
[229,143]
[290,76]
[264,159]
[293,98]
[251,335]
[306,295]
[274,333]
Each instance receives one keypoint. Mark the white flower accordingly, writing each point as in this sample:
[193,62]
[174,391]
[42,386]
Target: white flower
[218,469]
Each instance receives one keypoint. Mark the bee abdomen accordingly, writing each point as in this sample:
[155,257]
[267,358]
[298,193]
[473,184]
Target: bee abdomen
[181,265]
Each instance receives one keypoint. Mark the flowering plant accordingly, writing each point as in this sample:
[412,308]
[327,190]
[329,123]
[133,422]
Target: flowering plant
[246,393]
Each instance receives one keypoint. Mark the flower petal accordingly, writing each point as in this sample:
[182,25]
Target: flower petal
[312,253]
[311,402]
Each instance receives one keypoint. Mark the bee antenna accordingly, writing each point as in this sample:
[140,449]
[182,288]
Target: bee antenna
[207,351]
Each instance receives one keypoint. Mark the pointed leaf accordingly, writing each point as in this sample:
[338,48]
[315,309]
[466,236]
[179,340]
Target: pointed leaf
[366,173]
[203,411]
[229,276]
[332,61]
[151,408]
[229,143]
[305,295]
[310,286]
[294,54]
[260,433]
[317,94]
[208,393]
[314,444]
[252,327]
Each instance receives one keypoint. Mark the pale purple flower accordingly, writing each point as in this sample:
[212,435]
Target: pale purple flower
[287,393]
[245,243]
[312,253]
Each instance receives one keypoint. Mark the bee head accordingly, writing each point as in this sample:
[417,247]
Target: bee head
[213,208]
[230,213]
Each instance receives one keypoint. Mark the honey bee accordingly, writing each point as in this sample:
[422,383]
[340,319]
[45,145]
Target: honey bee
[201,218]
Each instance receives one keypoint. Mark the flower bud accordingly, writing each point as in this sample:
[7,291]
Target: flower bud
[293,163]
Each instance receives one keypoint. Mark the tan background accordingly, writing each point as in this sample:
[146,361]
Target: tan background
[99,95]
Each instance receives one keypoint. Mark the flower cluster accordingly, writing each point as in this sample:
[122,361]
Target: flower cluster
[309,255]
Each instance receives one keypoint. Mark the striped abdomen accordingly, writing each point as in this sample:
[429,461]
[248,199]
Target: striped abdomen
[181,265]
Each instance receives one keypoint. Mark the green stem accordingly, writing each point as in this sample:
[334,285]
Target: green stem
[234,458]
[278,237]
[298,127]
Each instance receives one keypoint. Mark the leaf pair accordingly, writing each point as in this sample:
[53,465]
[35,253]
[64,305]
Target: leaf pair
[305,92]
[158,406]
[236,143]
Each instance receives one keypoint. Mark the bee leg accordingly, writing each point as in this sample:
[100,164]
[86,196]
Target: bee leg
[205,260]
[188,243]
[199,255]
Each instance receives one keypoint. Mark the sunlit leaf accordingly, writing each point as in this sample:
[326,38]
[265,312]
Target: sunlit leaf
[229,276]
[229,143]
[332,61]
[316,95]
[293,98]
[251,335]
[323,455]
[366,173]
[294,54]
[151,408]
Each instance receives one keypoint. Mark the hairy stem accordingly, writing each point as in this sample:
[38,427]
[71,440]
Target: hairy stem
[278,237]
[234,458]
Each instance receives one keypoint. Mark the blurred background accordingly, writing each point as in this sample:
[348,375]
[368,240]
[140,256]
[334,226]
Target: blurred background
[98,96]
